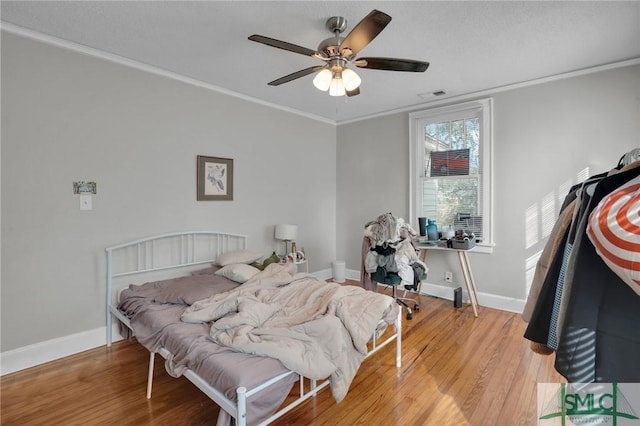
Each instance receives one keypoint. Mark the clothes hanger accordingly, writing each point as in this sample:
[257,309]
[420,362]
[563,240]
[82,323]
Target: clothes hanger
[628,158]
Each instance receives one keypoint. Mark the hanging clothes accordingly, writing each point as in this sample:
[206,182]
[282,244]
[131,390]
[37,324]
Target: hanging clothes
[549,274]
[578,306]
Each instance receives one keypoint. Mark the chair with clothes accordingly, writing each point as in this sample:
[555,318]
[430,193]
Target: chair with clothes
[390,258]
[393,280]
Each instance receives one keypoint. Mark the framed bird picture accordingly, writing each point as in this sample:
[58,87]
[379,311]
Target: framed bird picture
[214,178]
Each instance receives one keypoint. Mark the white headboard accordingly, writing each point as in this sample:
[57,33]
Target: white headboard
[163,252]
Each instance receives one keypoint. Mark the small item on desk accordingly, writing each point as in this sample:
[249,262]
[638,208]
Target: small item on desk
[463,241]
[422,225]
[432,230]
[448,232]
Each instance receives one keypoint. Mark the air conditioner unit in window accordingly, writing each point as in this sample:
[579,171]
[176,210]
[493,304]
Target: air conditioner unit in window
[470,224]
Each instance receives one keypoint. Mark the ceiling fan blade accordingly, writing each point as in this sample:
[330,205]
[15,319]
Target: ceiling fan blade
[353,92]
[392,64]
[282,45]
[295,75]
[364,32]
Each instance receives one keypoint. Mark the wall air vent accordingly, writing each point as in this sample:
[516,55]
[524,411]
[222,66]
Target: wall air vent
[431,95]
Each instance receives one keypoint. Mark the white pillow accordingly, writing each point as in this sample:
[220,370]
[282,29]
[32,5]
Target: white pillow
[238,256]
[239,272]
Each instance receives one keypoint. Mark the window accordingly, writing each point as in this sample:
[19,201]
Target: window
[451,168]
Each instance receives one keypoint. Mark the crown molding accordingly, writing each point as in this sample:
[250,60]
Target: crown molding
[121,60]
[489,92]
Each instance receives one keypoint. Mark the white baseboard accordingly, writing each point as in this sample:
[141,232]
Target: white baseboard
[50,350]
[484,299]
[352,274]
[324,274]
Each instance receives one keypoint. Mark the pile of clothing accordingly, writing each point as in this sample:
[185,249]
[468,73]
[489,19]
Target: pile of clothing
[387,247]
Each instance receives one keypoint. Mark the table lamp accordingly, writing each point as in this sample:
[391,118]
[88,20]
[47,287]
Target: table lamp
[286,233]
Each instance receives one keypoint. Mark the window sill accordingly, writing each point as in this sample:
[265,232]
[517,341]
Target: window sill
[484,248]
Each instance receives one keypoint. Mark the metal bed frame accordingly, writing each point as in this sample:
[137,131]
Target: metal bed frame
[181,250]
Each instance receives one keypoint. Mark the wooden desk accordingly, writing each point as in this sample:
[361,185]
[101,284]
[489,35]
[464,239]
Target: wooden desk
[465,266]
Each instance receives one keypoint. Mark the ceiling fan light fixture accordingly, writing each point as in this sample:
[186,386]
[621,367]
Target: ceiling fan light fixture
[322,80]
[350,79]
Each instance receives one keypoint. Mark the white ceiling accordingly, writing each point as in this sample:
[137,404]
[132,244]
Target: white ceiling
[472,46]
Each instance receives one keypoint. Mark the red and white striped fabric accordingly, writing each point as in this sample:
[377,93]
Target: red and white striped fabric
[614,229]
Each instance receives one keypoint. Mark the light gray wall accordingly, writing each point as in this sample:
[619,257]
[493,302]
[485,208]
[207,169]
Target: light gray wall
[545,135]
[373,177]
[68,117]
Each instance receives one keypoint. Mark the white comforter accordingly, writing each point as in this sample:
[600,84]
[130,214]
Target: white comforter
[315,328]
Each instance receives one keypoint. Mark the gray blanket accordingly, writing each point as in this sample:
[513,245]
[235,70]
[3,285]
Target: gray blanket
[315,328]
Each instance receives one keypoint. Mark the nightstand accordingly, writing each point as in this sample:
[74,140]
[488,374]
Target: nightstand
[304,262]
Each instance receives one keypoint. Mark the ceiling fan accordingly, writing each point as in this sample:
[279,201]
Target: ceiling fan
[338,52]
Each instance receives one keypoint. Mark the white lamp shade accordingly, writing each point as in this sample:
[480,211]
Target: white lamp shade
[337,86]
[350,79]
[286,232]
[322,80]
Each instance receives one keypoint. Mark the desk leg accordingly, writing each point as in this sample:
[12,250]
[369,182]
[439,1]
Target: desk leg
[473,281]
[423,255]
[468,280]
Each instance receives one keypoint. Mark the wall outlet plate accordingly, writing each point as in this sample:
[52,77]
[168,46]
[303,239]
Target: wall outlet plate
[448,276]
[85,202]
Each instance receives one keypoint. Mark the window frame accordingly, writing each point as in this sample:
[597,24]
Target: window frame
[484,109]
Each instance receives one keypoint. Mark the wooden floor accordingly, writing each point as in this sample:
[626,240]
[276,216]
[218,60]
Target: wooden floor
[456,370]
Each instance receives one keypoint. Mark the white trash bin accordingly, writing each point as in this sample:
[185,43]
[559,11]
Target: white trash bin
[338,268]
